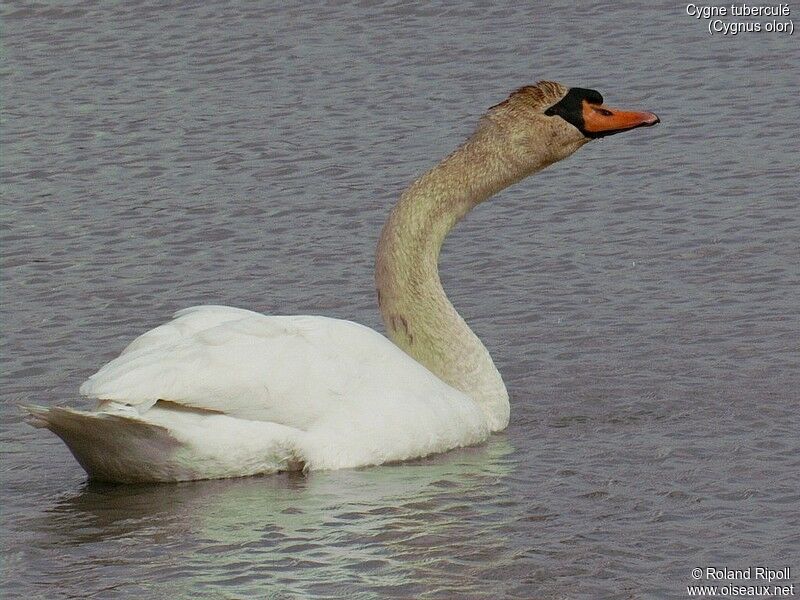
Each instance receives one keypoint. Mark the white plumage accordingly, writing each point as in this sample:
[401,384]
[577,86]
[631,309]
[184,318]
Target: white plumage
[223,392]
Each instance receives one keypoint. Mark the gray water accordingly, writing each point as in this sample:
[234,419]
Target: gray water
[640,298]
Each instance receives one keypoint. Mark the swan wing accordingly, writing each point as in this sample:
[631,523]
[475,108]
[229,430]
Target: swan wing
[291,370]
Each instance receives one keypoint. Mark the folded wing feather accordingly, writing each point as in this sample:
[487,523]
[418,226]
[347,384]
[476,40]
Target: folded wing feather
[288,370]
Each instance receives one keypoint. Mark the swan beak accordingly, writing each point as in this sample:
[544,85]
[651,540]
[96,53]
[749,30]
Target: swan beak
[600,120]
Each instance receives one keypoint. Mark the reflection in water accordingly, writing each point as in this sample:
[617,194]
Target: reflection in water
[392,529]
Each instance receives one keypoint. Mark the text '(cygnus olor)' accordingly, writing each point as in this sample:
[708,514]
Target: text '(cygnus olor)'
[225,392]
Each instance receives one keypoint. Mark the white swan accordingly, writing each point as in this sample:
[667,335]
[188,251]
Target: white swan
[225,392]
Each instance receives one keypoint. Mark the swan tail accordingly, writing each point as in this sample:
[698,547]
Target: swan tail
[113,447]
[129,448]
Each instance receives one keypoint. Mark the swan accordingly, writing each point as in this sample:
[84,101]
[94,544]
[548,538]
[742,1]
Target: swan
[225,392]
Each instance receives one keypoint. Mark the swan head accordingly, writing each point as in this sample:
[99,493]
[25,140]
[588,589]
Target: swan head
[551,121]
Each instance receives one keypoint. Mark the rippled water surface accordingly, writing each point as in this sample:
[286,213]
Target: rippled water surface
[640,298]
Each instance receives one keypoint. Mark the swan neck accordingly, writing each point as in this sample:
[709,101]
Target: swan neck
[417,314]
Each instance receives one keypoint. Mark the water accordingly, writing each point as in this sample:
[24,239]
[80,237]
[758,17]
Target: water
[640,298]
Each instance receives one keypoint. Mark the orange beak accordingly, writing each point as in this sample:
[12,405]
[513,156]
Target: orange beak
[601,120]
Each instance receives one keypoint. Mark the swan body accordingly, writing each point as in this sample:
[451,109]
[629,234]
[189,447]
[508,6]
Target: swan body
[224,392]
[250,393]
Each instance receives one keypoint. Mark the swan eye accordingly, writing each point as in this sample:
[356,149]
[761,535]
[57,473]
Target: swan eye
[604,111]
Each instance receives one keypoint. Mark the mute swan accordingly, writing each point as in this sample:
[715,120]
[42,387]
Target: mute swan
[225,392]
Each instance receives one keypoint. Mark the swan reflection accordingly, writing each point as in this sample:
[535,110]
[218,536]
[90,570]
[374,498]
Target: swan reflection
[314,534]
